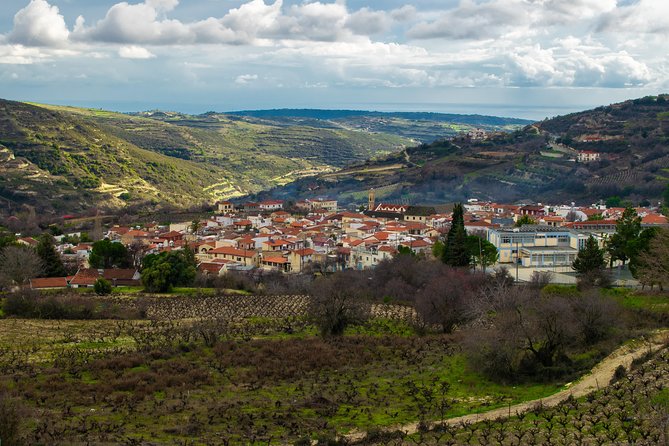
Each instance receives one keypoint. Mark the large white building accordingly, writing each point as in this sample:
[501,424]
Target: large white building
[537,246]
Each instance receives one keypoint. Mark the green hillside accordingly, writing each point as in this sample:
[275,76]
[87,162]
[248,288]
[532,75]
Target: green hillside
[58,164]
[66,159]
[537,163]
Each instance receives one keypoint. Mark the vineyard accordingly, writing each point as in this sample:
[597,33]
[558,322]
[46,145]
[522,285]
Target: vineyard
[633,409]
[622,177]
[252,369]
[239,307]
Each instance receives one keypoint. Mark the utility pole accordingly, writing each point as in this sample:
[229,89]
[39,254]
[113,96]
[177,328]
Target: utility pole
[517,259]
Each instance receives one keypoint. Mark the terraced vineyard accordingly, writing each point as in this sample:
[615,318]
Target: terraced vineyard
[632,409]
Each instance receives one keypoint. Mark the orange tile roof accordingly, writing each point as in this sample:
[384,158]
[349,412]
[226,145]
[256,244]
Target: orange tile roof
[304,252]
[228,250]
[654,219]
[85,276]
[49,282]
[281,260]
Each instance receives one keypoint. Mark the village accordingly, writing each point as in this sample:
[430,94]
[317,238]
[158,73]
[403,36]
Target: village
[317,237]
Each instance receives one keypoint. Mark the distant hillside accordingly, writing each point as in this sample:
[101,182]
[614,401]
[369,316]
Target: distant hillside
[420,126]
[58,164]
[65,159]
[536,163]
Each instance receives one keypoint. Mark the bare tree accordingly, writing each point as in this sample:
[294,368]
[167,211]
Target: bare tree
[594,315]
[18,265]
[654,264]
[572,216]
[447,300]
[540,279]
[524,333]
[337,301]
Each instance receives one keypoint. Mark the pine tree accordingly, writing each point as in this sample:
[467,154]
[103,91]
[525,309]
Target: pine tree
[590,258]
[622,244]
[52,263]
[456,253]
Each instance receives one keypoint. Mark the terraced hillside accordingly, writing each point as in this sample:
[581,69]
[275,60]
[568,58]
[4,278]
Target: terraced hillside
[57,164]
[538,163]
[67,160]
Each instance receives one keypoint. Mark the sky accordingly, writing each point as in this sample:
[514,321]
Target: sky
[521,58]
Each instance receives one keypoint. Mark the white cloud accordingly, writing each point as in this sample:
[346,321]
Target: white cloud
[405,13]
[135,52]
[472,20]
[641,17]
[136,23]
[554,43]
[163,5]
[39,24]
[21,55]
[538,66]
[368,22]
[244,79]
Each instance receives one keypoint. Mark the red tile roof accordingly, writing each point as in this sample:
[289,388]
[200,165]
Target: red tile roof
[85,277]
[230,251]
[48,282]
[281,260]
[119,273]
[304,252]
[654,219]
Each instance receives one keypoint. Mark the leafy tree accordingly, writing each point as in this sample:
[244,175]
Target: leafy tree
[665,196]
[18,264]
[456,253]
[481,251]
[638,246]
[405,250]
[622,245]
[51,261]
[7,239]
[596,217]
[157,278]
[163,271]
[195,226]
[108,254]
[438,249]
[102,287]
[613,202]
[525,220]
[590,258]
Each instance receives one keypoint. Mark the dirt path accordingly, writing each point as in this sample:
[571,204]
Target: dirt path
[598,377]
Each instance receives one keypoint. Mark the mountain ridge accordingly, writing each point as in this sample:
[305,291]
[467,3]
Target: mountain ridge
[63,160]
[537,163]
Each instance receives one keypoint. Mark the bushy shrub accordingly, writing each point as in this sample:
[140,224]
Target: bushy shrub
[30,304]
[102,287]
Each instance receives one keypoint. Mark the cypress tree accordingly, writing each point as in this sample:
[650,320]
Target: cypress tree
[52,263]
[456,253]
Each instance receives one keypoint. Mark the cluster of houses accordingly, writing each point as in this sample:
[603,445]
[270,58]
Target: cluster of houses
[317,236]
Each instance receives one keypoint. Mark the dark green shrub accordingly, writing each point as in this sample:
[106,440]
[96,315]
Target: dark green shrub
[102,287]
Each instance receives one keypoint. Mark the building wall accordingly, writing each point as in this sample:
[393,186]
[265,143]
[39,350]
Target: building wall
[509,243]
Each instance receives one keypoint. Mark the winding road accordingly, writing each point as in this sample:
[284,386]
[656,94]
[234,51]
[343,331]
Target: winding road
[598,377]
